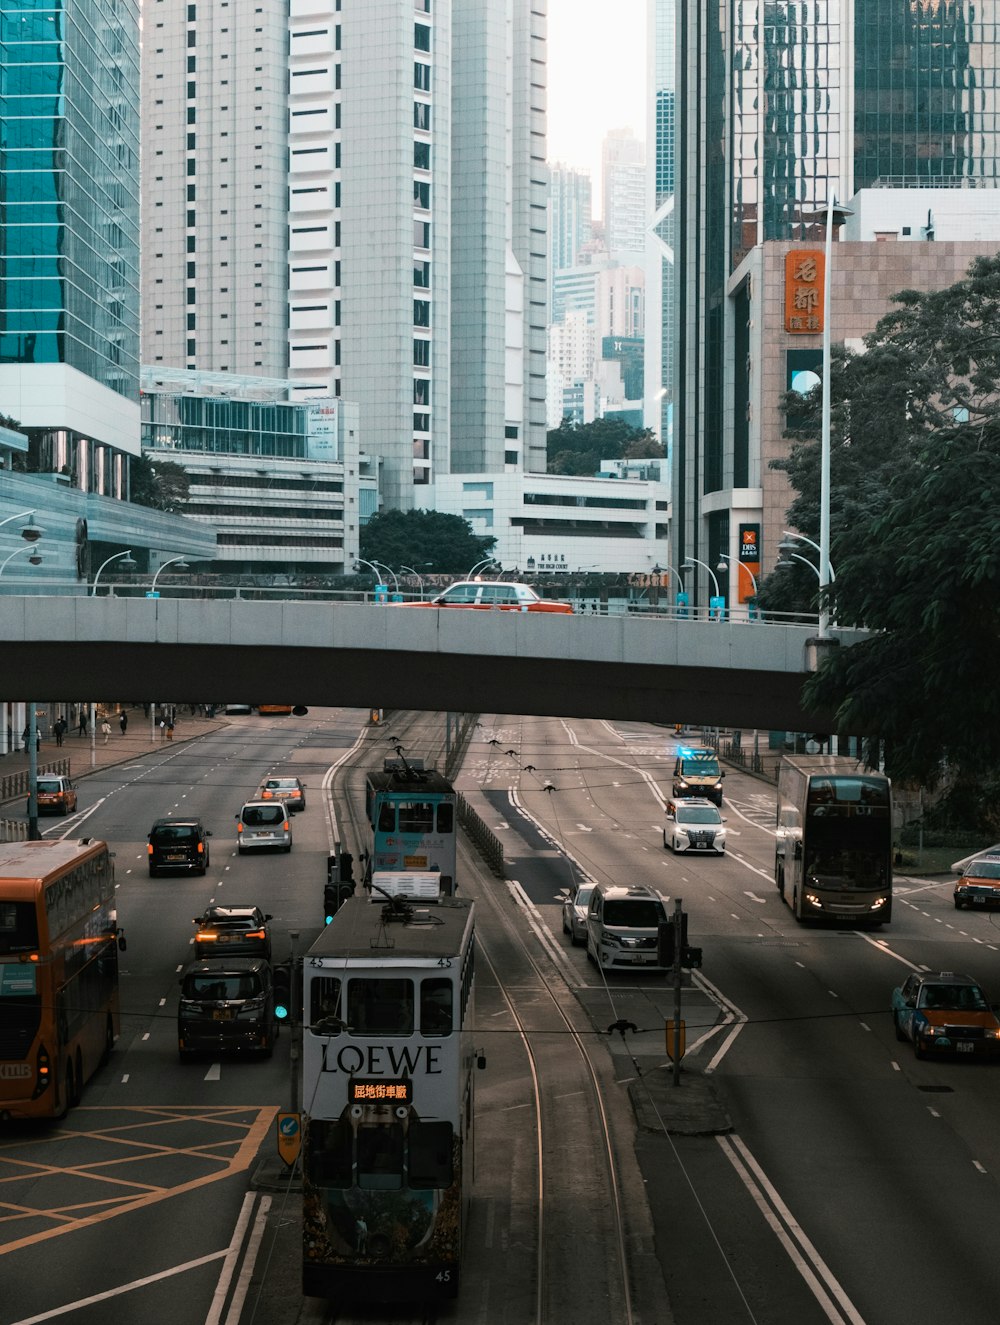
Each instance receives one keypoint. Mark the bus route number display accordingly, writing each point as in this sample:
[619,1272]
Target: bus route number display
[368,1090]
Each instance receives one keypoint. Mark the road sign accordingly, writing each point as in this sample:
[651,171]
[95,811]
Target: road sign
[289,1136]
[676,1040]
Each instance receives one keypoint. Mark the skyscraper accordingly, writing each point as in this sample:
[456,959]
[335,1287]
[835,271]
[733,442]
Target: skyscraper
[623,194]
[69,235]
[410,140]
[570,218]
[777,115]
[661,133]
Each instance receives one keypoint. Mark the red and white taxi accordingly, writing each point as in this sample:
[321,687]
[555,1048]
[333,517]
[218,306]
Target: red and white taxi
[493,596]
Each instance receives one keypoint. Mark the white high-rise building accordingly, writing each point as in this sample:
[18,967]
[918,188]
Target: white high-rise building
[624,194]
[355,200]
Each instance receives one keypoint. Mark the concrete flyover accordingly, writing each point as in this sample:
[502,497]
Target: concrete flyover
[195,650]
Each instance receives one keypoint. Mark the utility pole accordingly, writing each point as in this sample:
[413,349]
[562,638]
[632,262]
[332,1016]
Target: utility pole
[294,1020]
[33,833]
[678,922]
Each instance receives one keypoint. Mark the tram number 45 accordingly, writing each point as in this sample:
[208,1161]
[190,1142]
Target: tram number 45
[444,961]
[443,1277]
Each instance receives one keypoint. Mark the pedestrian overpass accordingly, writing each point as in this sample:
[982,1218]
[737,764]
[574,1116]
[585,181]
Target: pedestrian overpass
[197,650]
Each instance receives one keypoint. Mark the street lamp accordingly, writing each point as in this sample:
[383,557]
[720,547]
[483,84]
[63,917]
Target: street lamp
[722,568]
[790,548]
[35,558]
[668,570]
[481,565]
[420,579]
[835,215]
[31,532]
[174,561]
[128,564]
[692,562]
[382,566]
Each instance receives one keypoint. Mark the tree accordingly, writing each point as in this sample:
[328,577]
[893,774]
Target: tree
[161,484]
[579,448]
[426,540]
[915,530]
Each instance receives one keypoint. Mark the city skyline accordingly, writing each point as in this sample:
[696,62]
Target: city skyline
[597,80]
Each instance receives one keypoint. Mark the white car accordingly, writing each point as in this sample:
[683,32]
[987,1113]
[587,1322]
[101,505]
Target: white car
[574,913]
[694,824]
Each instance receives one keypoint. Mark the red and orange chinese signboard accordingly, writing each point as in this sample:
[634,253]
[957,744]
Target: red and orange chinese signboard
[804,291]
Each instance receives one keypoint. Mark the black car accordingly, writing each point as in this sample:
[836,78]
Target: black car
[227,1005]
[178,844]
[230,931]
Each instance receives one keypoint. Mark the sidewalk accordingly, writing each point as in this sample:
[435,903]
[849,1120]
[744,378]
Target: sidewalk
[86,755]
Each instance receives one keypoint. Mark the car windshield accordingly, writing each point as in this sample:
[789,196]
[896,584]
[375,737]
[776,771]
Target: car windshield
[231,922]
[256,815]
[952,998]
[221,986]
[700,768]
[983,869]
[633,913]
[698,814]
[280,784]
[582,897]
[174,833]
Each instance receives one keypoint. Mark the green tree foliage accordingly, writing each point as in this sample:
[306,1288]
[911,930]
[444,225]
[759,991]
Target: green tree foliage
[579,449]
[429,541]
[915,530]
[162,484]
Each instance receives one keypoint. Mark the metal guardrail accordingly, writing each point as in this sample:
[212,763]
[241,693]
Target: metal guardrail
[486,842]
[13,830]
[15,785]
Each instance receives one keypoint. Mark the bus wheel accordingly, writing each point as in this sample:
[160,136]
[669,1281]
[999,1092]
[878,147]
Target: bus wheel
[69,1091]
[779,880]
[77,1081]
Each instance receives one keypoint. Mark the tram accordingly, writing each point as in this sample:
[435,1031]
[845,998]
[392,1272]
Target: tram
[388,1098]
[412,814]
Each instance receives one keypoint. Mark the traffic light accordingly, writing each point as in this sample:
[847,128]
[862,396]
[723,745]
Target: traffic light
[347,868]
[281,978]
[334,897]
[665,940]
[691,959]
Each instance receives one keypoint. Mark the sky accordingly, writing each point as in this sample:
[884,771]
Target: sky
[597,78]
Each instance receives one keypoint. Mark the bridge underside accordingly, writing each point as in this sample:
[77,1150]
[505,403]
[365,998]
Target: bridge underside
[386,678]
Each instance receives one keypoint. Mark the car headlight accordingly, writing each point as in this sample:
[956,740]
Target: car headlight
[610,940]
[932,1032]
[878,903]
[813,900]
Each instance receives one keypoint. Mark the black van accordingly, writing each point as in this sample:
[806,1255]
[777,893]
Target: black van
[227,1005]
[178,844]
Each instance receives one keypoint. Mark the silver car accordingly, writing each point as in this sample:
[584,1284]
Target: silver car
[574,913]
[263,824]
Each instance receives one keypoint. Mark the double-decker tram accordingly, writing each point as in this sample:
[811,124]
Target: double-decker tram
[388,1098]
[59,941]
[412,815]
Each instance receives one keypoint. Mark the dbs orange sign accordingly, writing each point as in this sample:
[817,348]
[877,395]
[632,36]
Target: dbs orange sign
[804,291]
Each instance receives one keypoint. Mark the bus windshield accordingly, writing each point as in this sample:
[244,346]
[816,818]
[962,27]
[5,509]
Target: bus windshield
[831,867]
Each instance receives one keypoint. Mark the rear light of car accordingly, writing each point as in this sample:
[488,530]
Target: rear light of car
[207,936]
[267,795]
[257,934]
[149,848]
[201,848]
[285,825]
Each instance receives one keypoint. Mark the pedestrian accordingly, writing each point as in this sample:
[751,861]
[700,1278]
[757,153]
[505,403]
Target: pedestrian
[105,730]
[123,721]
[170,730]
[83,722]
[60,730]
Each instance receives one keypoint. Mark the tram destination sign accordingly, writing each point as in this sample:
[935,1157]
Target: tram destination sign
[367,1090]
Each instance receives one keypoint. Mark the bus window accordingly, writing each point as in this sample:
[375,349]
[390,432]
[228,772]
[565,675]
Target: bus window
[387,817]
[324,1006]
[379,1006]
[18,927]
[416,817]
[446,817]
[436,1014]
[380,1157]
[430,1154]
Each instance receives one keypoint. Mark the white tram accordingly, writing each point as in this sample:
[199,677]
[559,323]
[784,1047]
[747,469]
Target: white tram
[387,1093]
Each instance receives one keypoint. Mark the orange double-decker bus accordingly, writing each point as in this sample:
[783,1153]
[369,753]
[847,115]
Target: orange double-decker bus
[59,941]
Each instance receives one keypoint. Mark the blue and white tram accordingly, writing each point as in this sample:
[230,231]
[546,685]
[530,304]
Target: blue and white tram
[388,1099]
[412,812]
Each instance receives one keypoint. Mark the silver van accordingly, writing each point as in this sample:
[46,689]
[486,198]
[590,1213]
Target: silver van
[263,824]
[623,927]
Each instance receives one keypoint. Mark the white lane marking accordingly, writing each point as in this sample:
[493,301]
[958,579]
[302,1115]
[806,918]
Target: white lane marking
[125,1288]
[214,1073]
[146,1036]
[976,1164]
[733,1020]
[761,901]
[125,1078]
[831,1297]
[162,1002]
[882,946]
[232,1255]
[249,1261]
[585,828]
[542,931]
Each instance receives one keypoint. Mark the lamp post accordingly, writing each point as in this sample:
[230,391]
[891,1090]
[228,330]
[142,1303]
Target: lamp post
[723,568]
[32,722]
[692,562]
[668,570]
[360,561]
[480,565]
[382,566]
[174,561]
[127,564]
[790,548]
[420,579]
[35,558]
[31,532]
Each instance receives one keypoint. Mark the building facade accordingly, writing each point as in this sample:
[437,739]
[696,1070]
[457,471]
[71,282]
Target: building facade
[570,219]
[776,118]
[623,197]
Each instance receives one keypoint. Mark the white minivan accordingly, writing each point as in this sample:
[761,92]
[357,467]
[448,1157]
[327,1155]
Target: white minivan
[263,824]
[623,927]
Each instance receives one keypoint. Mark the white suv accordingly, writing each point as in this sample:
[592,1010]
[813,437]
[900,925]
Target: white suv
[694,824]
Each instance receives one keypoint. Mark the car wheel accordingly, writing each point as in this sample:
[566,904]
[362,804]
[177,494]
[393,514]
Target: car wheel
[958,904]
[566,929]
[186,1055]
[574,940]
[897,1028]
[288,847]
[153,874]
[918,1051]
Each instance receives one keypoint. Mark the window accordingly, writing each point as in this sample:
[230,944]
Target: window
[421,391]
[378,1005]
[421,422]
[421,194]
[324,1006]
[421,313]
[422,274]
[421,155]
[421,115]
[422,353]
[430,1146]
[421,36]
[421,234]
[421,77]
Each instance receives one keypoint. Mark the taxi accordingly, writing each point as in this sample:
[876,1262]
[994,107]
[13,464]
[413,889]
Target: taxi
[56,795]
[944,1013]
[979,884]
[493,596]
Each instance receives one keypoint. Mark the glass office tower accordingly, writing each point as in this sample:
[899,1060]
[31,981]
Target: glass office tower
[69,188]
